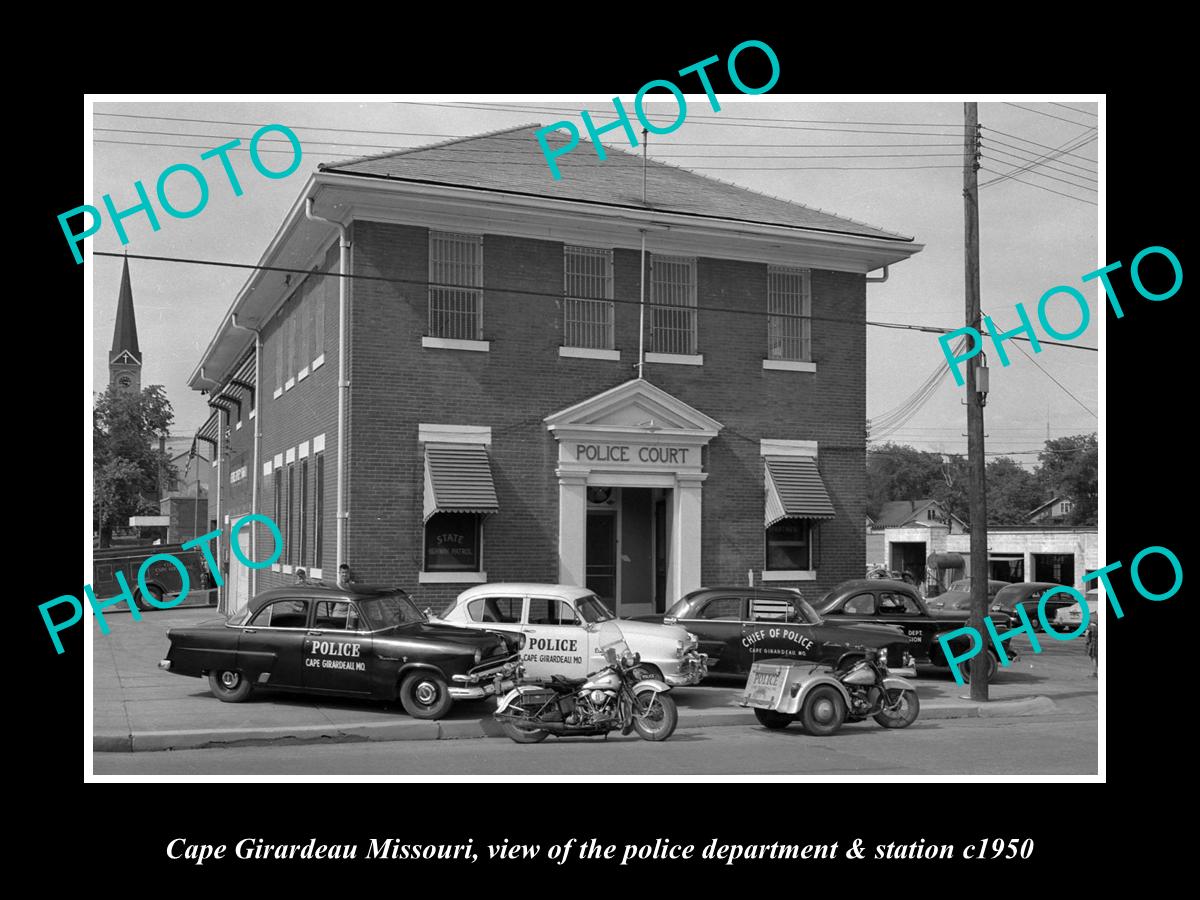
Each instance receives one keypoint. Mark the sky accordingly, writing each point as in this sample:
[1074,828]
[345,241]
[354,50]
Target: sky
[1031,239]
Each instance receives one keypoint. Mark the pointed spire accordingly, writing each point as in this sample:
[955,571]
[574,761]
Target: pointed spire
[125,332]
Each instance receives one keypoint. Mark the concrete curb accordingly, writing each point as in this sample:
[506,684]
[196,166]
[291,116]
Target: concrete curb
[422,730]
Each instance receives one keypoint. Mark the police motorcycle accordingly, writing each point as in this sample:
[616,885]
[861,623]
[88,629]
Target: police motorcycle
[782,691]
[616,697]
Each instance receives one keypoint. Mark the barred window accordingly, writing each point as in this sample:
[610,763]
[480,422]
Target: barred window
[456,286]
[789,313]
[587,303]
[673,304]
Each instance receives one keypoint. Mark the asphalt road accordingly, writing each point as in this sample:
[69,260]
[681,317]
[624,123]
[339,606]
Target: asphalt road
[1054,745]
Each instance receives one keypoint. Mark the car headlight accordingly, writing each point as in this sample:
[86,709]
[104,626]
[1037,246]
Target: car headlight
[521,641]
[478,655]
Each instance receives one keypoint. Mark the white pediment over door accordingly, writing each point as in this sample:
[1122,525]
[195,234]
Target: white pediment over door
[635,408]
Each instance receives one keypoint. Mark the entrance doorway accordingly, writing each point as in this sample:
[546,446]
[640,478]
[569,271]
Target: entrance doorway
[627,544]
[908,558]
[602,555]
[1057,568]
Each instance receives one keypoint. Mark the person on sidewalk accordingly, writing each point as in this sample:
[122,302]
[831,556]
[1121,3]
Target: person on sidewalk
[1093,646]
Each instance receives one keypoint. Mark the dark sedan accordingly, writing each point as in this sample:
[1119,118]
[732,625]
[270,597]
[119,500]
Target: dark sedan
[891,602]
[737,625]
[958,595]
[1027,595]
[360,641]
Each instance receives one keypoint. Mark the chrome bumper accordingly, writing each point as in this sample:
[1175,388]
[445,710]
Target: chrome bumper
[164,664]
[692,669]
[477,685]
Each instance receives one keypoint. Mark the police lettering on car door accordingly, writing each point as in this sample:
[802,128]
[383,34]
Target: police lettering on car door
[553,650]
[333,655]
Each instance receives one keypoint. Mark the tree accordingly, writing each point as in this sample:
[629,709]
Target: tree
[899,472]
[1069,467]
[126,463]
[1011,492]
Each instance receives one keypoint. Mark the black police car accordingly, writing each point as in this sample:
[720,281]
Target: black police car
[358,641]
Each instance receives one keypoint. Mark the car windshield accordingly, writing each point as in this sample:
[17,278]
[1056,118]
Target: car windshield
[388,611]
[963,584]
[592,609]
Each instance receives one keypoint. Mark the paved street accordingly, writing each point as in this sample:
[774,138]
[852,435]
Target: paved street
[1059,745]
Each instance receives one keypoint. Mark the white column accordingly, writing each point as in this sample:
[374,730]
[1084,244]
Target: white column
[572,527]
[684,570]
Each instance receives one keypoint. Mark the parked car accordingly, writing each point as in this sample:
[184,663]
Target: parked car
[738,625]
[892,602]
[958,595]
[1069,618]
[357,641]
[1027,595]
[566,630]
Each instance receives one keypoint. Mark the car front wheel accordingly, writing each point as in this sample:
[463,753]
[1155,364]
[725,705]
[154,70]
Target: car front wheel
[990,671]
[424,695]
[229,686]
[140,599]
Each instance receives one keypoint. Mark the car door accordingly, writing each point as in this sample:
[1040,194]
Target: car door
[337,650]
[273,642]
[717,623]
[556,642]
[898,608]
[776,628]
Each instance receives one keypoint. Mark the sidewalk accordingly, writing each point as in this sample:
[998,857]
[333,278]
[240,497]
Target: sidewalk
[137,706]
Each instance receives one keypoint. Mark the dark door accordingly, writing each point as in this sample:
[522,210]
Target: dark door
[337,650]
[273,642]
[897,608]
[660,555]
[602,556]
[717,624]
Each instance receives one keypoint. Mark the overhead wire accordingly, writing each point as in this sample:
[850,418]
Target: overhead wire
[1040,187]
[1056,381]
[1048,115]
[504,289]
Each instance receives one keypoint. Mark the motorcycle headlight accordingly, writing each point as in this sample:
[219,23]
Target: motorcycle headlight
[521,641]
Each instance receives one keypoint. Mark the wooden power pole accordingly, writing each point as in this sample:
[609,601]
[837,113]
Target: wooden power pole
[975,400]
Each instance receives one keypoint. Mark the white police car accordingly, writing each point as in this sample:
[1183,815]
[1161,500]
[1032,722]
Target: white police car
[565,629]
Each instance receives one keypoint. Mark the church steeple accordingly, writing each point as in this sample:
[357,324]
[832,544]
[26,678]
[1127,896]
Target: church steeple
[125,358]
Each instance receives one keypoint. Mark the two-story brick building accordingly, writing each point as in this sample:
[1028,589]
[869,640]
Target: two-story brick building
[523,379]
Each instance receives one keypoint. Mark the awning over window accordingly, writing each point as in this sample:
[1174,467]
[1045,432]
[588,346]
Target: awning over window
[458,478]
[795,490]
[208,431]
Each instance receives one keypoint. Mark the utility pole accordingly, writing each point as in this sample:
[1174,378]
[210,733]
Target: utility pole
[976,394]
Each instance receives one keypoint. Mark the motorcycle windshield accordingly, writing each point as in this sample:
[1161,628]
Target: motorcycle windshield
[609,635]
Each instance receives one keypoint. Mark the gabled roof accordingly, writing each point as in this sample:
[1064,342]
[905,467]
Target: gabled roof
[1044,506]
[511,161]
[898,512]
[125,332]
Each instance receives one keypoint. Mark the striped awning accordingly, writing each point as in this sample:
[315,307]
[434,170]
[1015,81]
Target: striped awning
[458,478]
[208,431]
[795,490]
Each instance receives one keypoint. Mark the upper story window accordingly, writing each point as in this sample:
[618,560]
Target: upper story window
[673,304]
[456,286]
[587,303]
[789,313]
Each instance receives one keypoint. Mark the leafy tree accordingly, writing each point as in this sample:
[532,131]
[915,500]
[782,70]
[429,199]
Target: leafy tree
[899,472]
[1069,467]
[126,461]
[1011,492]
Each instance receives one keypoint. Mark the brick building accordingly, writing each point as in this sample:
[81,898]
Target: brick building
[488,397]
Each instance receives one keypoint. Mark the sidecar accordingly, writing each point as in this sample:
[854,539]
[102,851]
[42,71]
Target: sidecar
[782,691]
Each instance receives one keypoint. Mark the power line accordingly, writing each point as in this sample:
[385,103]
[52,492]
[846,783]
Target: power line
[1048,115]
[1040,187]
[1068,145]
[480,150]
[1017,137]
[1044,164]
[490,137]
[1056,381]
[549,294]
[1029,169]
[1034,154]
[461,157]
[1073,109]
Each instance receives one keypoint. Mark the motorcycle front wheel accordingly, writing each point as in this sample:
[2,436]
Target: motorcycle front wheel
[519,731]
[654,716]
[902,715]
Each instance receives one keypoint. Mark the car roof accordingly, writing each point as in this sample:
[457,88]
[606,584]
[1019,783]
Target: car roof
[890,584]
[320,590]
[521,588]
[741,589]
